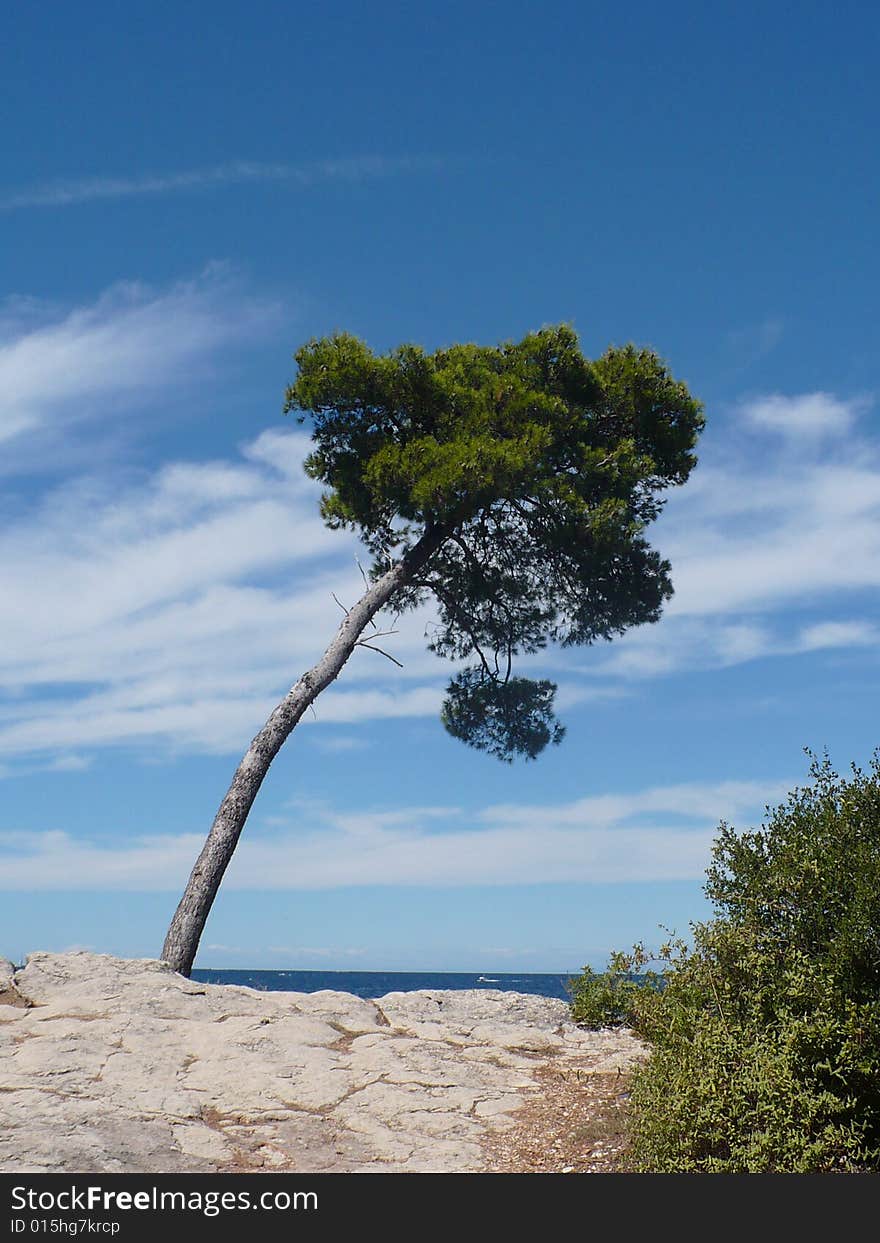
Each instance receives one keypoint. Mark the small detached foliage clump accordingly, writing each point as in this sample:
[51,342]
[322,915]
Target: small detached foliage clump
[765,1037]
[611,998]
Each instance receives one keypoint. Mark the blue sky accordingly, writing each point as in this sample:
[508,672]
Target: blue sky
[186,196]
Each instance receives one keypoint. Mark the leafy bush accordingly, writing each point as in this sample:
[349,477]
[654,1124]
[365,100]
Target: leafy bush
[765,1040]
[611,998]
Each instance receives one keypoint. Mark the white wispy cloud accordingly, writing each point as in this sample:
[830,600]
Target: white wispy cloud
[160,607]
[809,414]
[171,610]
[749,344]
[236,172]
[663,833]
[318,953]
[758,537]
[142,599]
[60,762]
[758,530]
[63,368]
[839,634]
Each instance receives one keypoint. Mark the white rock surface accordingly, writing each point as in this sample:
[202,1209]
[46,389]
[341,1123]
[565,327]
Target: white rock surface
[7,971]
[124,1066]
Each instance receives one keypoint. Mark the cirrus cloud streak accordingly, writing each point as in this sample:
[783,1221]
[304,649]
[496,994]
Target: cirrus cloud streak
[591,840]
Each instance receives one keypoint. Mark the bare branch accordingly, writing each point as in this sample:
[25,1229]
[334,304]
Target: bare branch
[339,602]
[363,571]
[370,647]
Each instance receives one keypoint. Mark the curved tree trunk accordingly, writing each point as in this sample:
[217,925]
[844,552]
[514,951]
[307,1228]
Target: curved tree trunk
[184,933]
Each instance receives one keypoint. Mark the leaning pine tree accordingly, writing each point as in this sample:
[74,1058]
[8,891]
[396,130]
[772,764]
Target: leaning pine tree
[513,484]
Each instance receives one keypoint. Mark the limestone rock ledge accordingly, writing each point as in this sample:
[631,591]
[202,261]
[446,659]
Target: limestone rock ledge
[7,974]
[118,1065]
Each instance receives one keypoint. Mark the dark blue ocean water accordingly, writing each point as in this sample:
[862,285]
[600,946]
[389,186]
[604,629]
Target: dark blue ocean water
[377,983]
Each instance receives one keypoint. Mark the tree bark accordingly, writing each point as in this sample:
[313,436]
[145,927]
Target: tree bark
[185,931]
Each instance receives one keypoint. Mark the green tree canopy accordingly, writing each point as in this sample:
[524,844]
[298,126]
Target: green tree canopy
[539,469]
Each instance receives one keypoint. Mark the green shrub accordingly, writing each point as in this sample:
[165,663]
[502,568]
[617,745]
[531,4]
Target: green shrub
[765,1039]
[611,998]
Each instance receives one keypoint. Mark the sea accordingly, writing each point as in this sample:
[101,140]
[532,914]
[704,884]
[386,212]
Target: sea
[377,983]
